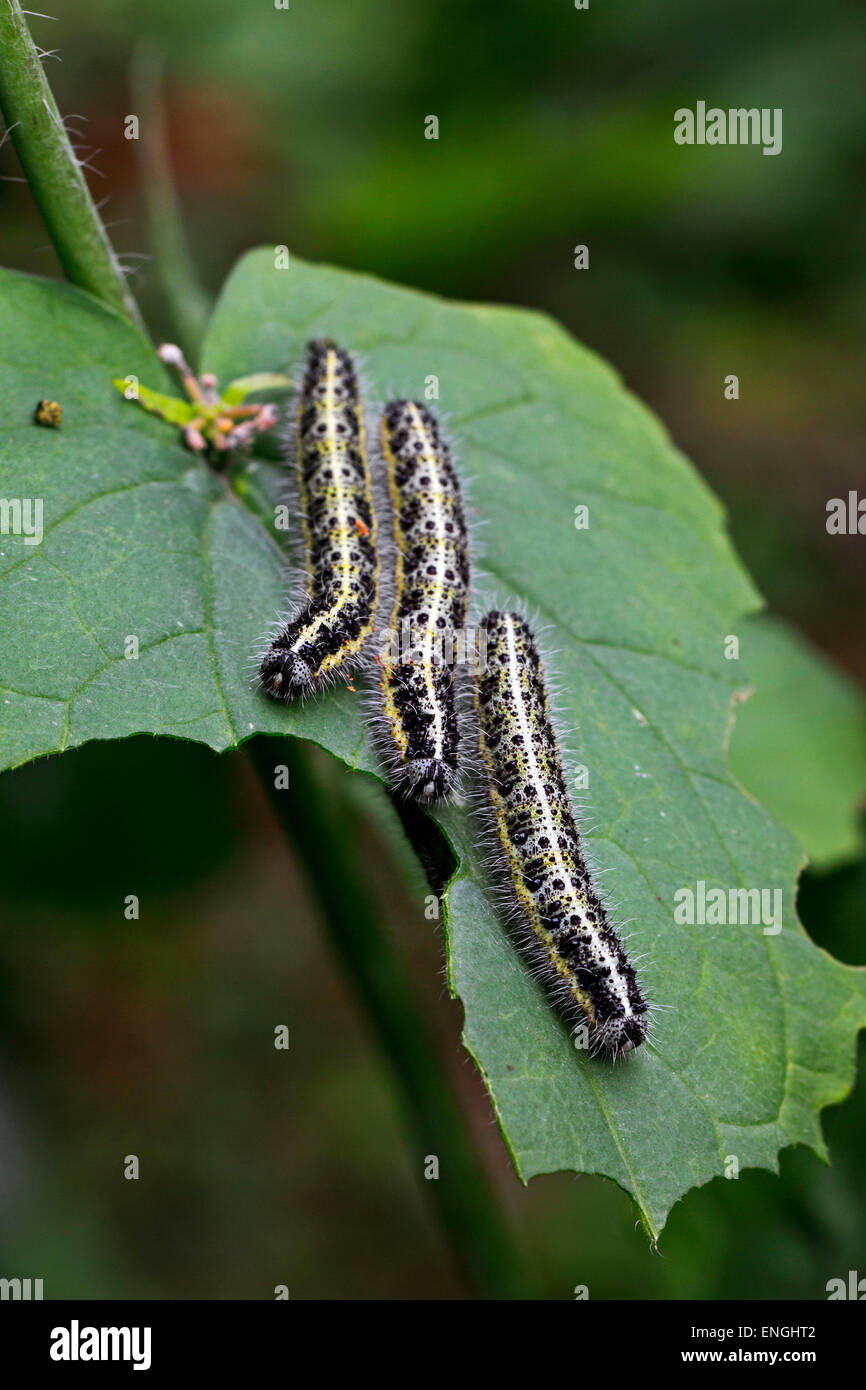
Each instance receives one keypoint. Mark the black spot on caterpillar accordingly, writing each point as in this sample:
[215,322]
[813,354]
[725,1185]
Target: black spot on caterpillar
[420,734]
[339,526]
[577,953]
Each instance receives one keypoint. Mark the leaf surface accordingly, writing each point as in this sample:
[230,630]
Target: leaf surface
[799,744]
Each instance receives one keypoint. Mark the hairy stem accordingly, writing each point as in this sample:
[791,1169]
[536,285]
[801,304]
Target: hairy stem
[322,826]
[53,172]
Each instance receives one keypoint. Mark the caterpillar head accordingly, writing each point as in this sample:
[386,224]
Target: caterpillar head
[428,779]
[285,675]
[618,1035]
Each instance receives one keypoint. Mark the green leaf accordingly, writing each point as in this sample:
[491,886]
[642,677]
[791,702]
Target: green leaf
[799,744]
[755,1033]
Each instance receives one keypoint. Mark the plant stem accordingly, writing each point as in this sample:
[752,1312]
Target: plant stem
[53,172]
[185,298]
[323,830]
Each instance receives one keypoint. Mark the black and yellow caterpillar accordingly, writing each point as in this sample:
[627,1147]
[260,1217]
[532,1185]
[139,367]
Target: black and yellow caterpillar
[326,638]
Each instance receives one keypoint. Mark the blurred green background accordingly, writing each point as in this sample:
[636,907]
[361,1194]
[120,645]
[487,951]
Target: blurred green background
[306,127]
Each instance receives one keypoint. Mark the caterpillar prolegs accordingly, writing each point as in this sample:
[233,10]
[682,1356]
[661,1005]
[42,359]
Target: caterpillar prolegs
[327,636]
[578,955]
[421,733]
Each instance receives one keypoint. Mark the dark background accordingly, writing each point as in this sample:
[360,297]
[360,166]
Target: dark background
[306,127]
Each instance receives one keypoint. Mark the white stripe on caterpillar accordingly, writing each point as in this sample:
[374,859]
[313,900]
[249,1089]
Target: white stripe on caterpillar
[421,733]
[339,525]
[577,953]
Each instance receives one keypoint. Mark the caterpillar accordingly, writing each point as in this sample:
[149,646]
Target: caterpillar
[421,731]
[339,526]
[578,954]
